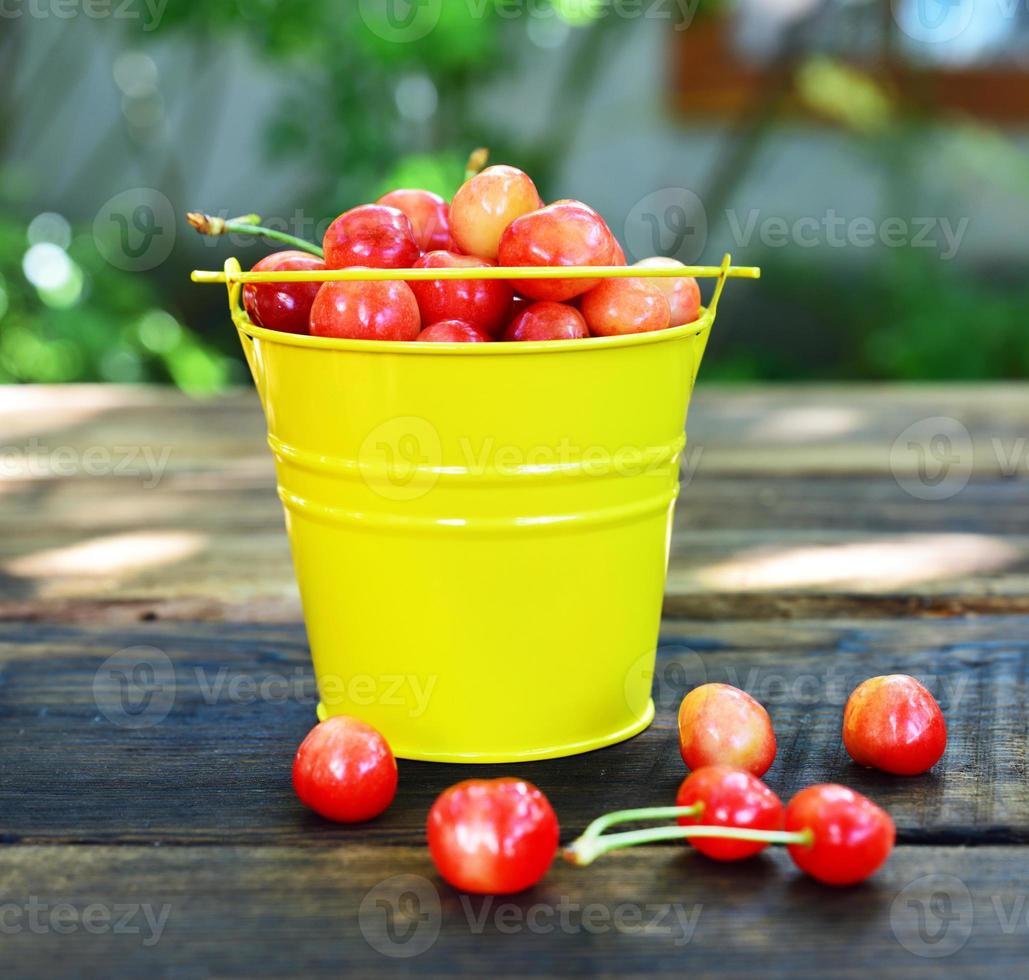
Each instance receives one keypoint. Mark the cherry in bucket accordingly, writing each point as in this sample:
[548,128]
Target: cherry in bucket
[620,306]
[428,213]
[345,770]
[366,311]
[547,321]
[453,332]
[284,306]
[722,725]
[893,723]
[486,204]
[564,233]
[372,236]
[492,836]
[484,302]
[682,292]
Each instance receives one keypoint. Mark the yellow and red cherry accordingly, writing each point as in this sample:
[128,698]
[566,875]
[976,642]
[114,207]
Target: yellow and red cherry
[365,311]
[284,306]
[484,302]
[682,293]
[547,321]
[623,306]
[428,213]
[486,204]
[372,236]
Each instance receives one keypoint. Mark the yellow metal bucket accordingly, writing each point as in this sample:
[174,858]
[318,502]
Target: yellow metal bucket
[480,531]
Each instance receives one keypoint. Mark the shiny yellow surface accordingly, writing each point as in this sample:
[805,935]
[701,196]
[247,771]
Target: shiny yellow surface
[480,531]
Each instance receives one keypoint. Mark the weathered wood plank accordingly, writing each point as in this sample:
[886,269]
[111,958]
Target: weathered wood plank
[232,702]
[127,503]
[206,545]
[278,911]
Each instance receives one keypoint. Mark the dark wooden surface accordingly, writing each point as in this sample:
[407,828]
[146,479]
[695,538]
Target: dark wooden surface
[172,845]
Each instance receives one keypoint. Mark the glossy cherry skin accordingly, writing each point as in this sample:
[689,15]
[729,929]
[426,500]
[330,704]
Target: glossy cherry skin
[492,836]
[372,236]
[428,213]
[722,725]
[454,332]
[731,798]
[486,204]
[564,233]
[484,302]
[683,294]
[621,306]
[366,311]
[345,770]
[852,836]
[547,321]
[284,306]
[893,723]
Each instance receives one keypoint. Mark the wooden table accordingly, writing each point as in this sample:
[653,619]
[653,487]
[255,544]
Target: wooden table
[824,535]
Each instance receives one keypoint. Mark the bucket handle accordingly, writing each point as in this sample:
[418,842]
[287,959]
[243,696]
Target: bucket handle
[235,287]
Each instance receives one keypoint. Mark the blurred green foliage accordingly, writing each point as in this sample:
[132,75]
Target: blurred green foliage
[902,315]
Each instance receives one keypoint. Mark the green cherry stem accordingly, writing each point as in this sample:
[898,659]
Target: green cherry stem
[593,842]
[247,224]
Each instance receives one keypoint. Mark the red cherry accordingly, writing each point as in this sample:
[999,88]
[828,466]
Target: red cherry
[345,770]
[852,837]
[492,837]
[565,233]
[617,253]
[547,321]
[683,294]
[731,798]
[284,306]
[484,302]
[365,311]
[893,723]
[620,306]
[722,725]
[454,332]
[428,213]
[372,236]
[486,204]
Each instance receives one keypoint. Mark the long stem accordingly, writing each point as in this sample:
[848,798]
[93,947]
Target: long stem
[601,824]
[587,849]
[248,224]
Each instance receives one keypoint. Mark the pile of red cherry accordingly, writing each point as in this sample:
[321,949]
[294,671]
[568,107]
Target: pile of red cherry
[496,218]
[500,836]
